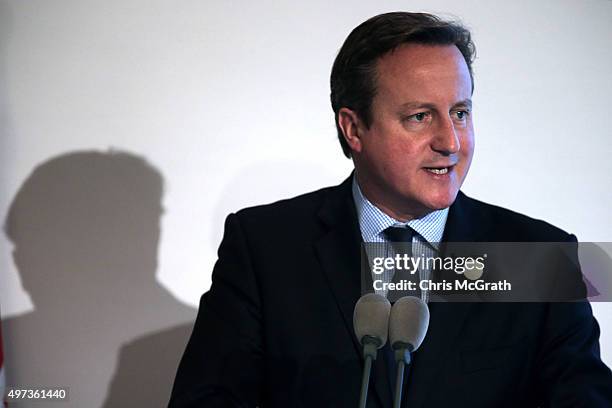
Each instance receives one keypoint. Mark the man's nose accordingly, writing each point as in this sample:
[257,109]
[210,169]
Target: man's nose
[445,138]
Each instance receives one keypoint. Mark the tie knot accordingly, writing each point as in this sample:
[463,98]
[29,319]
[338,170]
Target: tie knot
[399,234]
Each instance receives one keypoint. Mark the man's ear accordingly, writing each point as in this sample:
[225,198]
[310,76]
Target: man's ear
[352,128]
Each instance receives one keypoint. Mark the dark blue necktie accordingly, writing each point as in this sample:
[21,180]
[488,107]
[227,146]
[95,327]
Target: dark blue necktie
[401,241]
[399,234]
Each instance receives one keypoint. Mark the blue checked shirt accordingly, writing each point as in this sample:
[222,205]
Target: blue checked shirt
[429,231]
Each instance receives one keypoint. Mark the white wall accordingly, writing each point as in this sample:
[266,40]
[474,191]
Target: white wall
[229,102]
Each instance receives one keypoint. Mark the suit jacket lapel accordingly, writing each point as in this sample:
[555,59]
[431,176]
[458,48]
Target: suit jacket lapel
[339,252]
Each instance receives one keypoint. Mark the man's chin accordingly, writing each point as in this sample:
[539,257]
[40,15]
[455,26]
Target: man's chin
[442,201]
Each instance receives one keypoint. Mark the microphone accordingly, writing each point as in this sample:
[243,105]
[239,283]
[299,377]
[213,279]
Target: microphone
[408,325]
[371,324]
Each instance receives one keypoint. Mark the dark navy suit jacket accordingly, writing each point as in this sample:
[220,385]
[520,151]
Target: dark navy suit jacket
[275,329]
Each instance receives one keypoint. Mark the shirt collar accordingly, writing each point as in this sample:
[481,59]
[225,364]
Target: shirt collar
[372,221]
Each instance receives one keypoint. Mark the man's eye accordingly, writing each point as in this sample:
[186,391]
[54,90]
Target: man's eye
[462,114]
[418,117]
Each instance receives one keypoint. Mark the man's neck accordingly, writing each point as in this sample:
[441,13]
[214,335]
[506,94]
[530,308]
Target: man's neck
[389,207]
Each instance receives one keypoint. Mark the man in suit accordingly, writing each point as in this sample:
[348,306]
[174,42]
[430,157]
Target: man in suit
[275,329]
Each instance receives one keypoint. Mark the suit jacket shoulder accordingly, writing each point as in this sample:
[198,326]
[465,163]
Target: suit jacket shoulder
[295,208]
[308,216]
[486,222]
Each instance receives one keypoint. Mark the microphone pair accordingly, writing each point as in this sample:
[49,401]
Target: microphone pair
[404,324]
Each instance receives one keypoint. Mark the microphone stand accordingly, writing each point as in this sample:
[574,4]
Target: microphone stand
[370,349]
[402,357]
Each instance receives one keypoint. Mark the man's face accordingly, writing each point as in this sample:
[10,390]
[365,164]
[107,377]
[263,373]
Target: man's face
[418,149]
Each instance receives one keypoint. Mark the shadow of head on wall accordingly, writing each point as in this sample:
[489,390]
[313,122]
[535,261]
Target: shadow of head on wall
[86,223]
[85,228]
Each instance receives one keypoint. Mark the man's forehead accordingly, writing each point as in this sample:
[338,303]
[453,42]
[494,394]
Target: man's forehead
[418,58]
[420,74]
[467,103]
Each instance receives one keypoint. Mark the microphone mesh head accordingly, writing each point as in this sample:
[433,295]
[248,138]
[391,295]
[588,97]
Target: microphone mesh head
[409,321]
[371,317]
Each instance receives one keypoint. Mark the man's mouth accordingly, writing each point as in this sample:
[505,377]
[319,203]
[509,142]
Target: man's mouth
[439,170]
[435,170]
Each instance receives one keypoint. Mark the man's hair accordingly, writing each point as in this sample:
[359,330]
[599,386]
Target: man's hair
[353,76]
